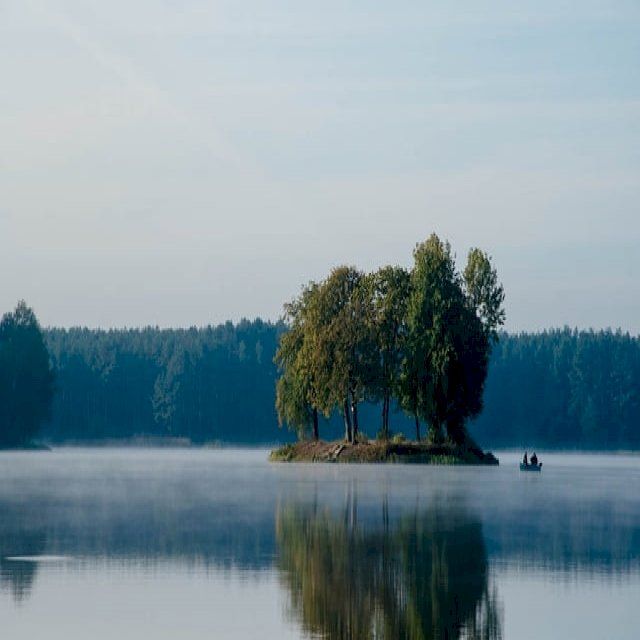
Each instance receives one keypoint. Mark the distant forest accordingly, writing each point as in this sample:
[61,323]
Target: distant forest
[560,388]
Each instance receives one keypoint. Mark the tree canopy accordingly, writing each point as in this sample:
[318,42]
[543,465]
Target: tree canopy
[26,378]
[422,338]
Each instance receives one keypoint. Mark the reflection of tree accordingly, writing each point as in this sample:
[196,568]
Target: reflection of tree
[422,577]
[18,575]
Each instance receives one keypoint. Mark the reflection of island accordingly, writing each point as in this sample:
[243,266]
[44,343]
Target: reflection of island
[424,576]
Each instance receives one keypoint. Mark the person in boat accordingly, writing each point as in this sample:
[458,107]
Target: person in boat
[534,459]
[525,462]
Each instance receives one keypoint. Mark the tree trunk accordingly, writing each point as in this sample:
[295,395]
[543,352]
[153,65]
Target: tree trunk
[354,411]
[385,432]
[347,421]
[386,415]
[417,428]
[315,424]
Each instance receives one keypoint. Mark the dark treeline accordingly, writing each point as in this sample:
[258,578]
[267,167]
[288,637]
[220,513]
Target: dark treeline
[558,388]
[214,383]
[563,388]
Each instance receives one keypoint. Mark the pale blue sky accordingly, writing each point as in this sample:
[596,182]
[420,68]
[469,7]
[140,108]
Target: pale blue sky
[183,162]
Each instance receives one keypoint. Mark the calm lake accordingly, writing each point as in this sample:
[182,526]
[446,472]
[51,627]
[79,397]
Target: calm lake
[127,543]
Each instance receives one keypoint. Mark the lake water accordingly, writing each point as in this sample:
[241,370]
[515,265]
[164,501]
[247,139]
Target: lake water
[126,543]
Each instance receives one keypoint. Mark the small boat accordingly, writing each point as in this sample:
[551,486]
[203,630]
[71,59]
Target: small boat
[530,467]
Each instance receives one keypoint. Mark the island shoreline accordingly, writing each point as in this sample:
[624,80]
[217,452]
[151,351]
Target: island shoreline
[379,451]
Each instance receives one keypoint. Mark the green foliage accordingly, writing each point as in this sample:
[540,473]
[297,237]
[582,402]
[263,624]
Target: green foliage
[26,378]
[449,331]
[347,345]
[423,338]
[328,356]
[283,454]
[389,290]
[484,292]
[432,306]
[293,389]
[297,358]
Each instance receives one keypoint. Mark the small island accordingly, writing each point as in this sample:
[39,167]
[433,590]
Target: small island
[395,450]
[414,340]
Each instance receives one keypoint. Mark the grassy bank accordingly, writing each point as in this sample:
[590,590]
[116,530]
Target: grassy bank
[382,451]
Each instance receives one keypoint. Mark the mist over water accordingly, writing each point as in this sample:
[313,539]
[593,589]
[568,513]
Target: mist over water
[163,543]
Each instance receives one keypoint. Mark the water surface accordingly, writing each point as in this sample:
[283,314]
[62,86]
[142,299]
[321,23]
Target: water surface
[161,543]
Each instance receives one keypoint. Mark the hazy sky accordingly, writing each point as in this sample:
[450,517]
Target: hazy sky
[182,162]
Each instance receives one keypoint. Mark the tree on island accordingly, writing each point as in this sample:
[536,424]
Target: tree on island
[421,338]
[327,356]
[296,400]
[452,321]
[345,357]
[26,378]
[389,291]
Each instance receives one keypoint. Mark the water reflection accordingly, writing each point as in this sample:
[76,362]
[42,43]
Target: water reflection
[17,568]
[355,551]
[424,575]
